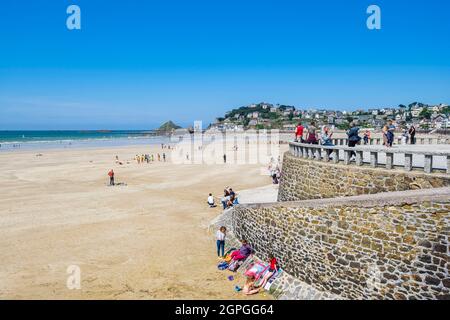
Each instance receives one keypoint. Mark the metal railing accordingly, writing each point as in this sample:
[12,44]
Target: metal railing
[390,158]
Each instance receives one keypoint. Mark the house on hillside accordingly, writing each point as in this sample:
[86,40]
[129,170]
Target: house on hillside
[440,121]
[416,112]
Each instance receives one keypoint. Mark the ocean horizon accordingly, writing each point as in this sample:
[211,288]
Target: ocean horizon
[11,140]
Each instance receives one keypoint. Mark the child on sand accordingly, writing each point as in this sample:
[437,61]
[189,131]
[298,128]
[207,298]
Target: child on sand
[211,201]
[272,269]
[249,287]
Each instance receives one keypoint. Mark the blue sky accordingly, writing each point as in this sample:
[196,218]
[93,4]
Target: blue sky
[135,64]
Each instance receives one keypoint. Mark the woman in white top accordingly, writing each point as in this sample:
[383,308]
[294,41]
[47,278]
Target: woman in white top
[220,240]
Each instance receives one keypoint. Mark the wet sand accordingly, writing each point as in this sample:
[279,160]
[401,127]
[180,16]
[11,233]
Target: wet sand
[145,240]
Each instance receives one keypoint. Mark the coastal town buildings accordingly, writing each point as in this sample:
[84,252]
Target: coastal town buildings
[284,117]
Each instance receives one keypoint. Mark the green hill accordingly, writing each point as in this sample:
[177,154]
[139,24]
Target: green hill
[168,126]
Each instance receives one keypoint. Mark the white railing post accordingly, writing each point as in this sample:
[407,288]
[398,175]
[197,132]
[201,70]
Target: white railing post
[448,164]
[336,155]
[347,155]
[318,154]
[408,161]
[389,160]
[311,153]
[428,165]
[374,159]
[359,158]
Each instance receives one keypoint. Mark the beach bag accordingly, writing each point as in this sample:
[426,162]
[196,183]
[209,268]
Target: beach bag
[234,265]
[227,256]
[222,266]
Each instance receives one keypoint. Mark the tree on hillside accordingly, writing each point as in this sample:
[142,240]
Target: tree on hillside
[425,113]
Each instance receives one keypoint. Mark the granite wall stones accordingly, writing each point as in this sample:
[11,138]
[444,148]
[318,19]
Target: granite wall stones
[385,246]
[304,179]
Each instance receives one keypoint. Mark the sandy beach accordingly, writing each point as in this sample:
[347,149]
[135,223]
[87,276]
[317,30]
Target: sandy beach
[146,240]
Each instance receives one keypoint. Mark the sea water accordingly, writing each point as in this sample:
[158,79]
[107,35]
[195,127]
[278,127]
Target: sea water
[40,140]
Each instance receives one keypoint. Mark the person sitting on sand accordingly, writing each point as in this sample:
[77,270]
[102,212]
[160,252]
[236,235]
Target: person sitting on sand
[243,252]
[272,269]
[111,177]
[249,287]
[226,198]
[232,200]
[211,201]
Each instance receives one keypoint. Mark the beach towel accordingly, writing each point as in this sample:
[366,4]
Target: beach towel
[272,279]
[257,270]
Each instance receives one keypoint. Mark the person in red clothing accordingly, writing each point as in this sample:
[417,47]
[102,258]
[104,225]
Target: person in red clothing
[299,133]
[111,177]
[272,269]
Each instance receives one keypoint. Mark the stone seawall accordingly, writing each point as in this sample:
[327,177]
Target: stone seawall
[304,179]
[383,246]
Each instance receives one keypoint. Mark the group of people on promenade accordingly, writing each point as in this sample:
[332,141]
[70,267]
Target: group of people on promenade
[256,280]
[324,137]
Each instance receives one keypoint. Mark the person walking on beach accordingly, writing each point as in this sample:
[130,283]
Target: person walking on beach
[111,177]
[224,158]
[299,133]
[220,241]
[164,157]
[412,134]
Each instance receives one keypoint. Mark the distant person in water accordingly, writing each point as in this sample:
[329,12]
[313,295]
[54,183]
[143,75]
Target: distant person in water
[111,177]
